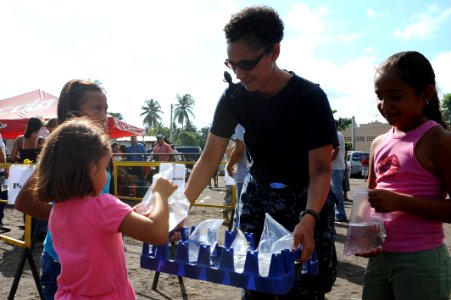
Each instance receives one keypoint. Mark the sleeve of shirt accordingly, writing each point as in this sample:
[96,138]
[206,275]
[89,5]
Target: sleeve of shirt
[224,122]
[112,212]
[320,116]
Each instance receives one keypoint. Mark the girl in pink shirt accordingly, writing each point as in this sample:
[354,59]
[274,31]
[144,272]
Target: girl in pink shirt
[410,174]
[86,226]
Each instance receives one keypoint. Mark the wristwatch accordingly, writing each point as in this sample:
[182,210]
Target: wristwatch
[309,212]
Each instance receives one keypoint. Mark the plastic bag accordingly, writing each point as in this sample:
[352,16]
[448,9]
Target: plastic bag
[206,233]
[273,240]
[366,229]
[177,202]
[240,246]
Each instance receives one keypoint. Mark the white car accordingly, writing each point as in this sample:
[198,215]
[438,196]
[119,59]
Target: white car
[353,160]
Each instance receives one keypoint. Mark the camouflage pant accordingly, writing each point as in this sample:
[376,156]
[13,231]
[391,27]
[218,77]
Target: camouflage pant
[284,205]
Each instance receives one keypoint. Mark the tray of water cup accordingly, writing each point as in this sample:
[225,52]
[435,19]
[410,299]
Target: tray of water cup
[274,273]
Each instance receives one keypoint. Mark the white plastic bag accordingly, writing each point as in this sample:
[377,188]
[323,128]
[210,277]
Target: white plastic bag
[177,202]
[206,233]
[240,246]
[366,229]
[274,239]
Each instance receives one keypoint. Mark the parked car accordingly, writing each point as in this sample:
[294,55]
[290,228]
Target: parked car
[187,153]
[354,162]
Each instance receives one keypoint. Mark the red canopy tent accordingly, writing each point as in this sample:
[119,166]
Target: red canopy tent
[16,111]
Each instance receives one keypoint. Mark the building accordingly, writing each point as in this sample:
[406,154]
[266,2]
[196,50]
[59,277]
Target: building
[365,134]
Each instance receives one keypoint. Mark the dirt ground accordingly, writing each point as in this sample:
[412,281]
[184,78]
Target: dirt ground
[348,285]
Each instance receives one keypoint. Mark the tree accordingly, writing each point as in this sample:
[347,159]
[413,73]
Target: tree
[151,110]
[184,109]
[344,123]
[187,139]
[446,108]
[190,127]
[116,115]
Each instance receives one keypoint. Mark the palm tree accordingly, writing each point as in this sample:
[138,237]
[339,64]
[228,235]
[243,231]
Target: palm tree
[116,115]
[151,110]
[446,108]
[184,109]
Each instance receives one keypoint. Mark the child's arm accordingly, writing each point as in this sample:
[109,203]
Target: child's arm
[371,175]
[155,228]
[28,203]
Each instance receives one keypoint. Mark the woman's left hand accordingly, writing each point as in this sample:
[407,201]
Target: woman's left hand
[303,235]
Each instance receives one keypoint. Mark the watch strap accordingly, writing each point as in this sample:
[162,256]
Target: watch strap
[311,212]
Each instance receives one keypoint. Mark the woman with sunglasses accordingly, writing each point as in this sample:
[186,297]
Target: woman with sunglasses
[289,134]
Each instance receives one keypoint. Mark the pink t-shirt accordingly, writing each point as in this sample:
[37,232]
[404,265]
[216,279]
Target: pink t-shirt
[86,237]
[165,148]
[397,169]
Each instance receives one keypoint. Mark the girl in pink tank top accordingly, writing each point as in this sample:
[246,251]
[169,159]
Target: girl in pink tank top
[410,176]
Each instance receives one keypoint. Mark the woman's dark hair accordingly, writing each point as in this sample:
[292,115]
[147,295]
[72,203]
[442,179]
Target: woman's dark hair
[415,70]
[72,97]
[33,125]
[68,155]
[260,26]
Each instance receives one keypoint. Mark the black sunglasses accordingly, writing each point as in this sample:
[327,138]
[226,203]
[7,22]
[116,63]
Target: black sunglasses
[247,64]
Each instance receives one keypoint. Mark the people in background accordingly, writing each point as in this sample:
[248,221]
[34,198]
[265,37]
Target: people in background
[238,167]
[338,171]
[51,124]
[3,178]
[346,185]
[365,165]
[136,152]
[162,150]
[28,145]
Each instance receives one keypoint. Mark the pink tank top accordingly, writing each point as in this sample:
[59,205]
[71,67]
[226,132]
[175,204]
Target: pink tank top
[397,169]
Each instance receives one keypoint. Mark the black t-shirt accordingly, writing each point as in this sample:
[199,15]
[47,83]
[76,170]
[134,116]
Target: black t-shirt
[280,130]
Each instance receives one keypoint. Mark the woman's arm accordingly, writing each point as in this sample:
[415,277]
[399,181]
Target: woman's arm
[15,150]
[320,161]
[28,203]
[206,166]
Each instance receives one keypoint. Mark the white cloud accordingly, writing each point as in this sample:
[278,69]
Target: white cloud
[307,24]
[423,26]
[442,65]
[138,51]
[349,84]
[351,37]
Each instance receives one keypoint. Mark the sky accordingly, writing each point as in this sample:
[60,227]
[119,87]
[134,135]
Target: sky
[142,50]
